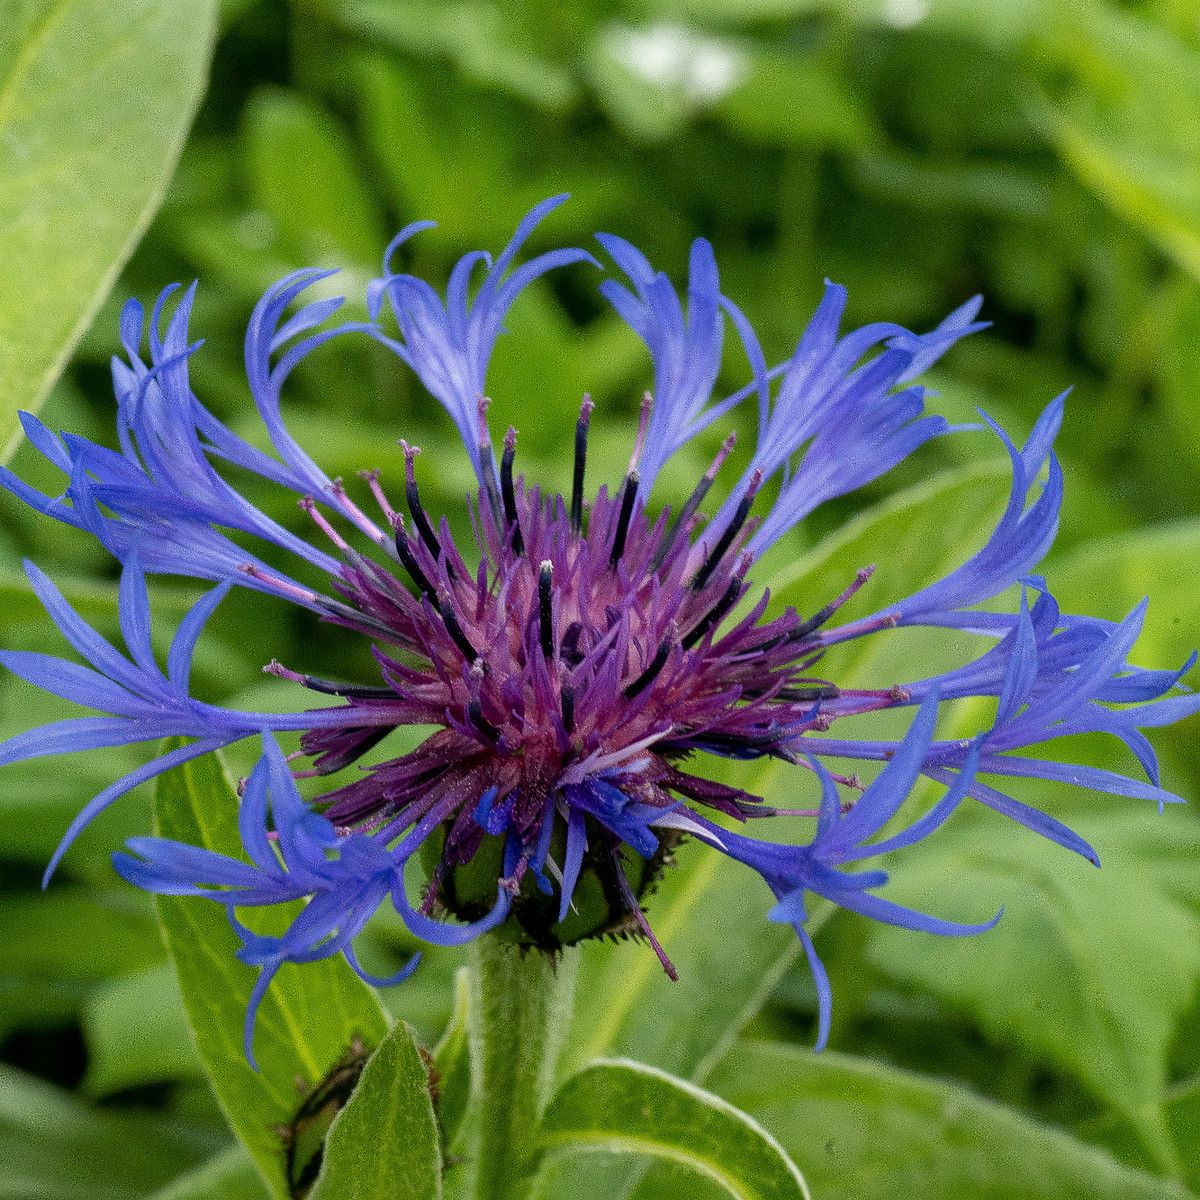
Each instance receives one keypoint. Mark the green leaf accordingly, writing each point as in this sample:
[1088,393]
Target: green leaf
[384,1144]
[18,604]
[304,175]
[628,1108]
[311,1014]
[1128,127]
[229,1176]
[1106,577]
[475,36]
[53,1146]
[96,97]
[939,523]
[865,1131]
[1088,969]
[792,101]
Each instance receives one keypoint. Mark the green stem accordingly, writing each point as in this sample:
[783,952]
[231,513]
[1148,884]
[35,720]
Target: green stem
[520,1010]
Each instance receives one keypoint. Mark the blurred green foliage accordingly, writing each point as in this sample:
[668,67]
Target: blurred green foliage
[1043,152]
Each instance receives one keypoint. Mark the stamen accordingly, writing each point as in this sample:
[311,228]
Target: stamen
[545,609]
[688,511]
[819,618]
[327,764]
[647,677]
[420,520]
[372,481]
[328,688]
[323,604]
[568,707]
[355,513]
[581,436]
[628,496]
[731,531]
[805,695]
[409,562]
[635,910]
[307,505]
[487,459]
[475,717]
[283,586]
[716,614]
[643,425]
[455,630]
[506,487]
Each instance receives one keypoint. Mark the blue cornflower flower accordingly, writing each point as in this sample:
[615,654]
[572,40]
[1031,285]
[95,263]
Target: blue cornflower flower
[572,662]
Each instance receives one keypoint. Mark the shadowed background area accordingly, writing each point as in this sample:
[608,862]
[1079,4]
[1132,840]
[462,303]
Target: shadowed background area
[1044,153]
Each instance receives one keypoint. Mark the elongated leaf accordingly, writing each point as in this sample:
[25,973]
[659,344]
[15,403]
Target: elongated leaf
[627,1108]
[1128,128]
[1097,964]
[229,1176]
[864,1131]
[96,97]
[384,1144]
[310,1015]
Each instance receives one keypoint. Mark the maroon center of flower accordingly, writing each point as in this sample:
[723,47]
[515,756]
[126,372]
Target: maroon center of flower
[570,656]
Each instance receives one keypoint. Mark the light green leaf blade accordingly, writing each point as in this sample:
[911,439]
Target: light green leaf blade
[623,1107]
[1128,127]
[310,1015]
[1088,969]
[96,97]
[865,1131]
[229,1176]
[384,1144]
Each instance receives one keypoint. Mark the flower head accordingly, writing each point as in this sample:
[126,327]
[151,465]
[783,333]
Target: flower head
[574,658]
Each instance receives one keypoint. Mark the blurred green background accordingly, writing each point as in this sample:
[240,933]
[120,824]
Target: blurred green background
[1043,152]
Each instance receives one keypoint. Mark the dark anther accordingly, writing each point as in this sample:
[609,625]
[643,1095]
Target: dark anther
[335,760]
[805,695]
[568,708]
[628,496]
[569,650]
[420,520]
[647,677]
[716,614]
[487,459]
[481,723]
[409,563]
[581,435]
[688,511]
[726,539]
[813,623]
[545,609]
[349,690]
[454,629]
[506,488]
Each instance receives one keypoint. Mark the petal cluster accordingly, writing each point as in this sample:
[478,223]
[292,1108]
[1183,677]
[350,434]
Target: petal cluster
[579,658]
